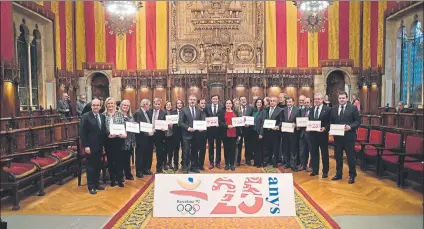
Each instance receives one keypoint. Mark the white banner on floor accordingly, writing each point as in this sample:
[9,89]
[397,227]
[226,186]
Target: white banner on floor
[224,195]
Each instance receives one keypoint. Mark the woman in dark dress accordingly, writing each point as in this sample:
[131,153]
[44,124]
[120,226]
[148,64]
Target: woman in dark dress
[129,143]
[257,138]
[230,134]
[169,137]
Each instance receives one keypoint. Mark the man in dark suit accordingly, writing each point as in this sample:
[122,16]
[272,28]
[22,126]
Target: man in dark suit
[187,116]
[214,133]
[319,140]
[63,107]
[246,134]
[144,145]
[304,144]
[348,115]
[290,140]
[159,135]
[272,137]
[201,136]
[176,134]
[92,132]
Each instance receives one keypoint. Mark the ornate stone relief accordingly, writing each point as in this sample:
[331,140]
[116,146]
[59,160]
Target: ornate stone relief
[216,36]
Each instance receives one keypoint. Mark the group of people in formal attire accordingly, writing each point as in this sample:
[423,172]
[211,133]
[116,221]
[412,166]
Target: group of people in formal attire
[262,146]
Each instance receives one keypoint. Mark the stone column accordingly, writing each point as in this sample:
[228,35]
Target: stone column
[28,41]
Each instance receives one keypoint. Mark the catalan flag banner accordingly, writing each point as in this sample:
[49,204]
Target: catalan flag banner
[288,45]
[91,40]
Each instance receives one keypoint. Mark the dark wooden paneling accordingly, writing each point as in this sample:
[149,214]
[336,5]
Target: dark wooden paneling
[216,91]
[160,93]
[178,93]
[374,100]
[130,94]
[194,91]
[8,99]
[273,91]
[144,93]
[291,91]
[306,91]
[241,91]
[256,91]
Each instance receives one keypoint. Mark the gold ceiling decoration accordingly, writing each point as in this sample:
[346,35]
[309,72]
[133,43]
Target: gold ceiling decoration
[313,18]
[121,16]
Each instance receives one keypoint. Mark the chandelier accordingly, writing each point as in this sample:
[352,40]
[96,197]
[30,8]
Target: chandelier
[121,16]
[312,19]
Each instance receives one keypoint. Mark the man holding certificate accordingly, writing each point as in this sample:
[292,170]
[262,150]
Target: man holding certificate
[348,115]
[92,133]
[246,133]
[144,146]
[304,145]
[187,116]
[214,133]
[271,135]
[319,140]
[160,126]
[290,138]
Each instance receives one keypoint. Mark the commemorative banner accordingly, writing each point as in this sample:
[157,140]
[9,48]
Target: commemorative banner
[224,195]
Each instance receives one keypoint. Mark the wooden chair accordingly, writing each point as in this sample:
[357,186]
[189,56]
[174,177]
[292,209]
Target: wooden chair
[368,147]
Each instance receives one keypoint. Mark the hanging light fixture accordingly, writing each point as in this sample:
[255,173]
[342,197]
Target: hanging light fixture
[313,18]
[121,16]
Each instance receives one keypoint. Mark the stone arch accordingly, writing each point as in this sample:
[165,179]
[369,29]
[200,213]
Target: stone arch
[347,84]
[89,79]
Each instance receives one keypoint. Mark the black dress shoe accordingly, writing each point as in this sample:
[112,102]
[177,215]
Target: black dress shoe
[202,169]
[274,165]
[92,191]
[313,174]
[336,177]
[129,177]
[112,184]
[233,168]
[258,166]
[148,172]
[325,175]
[195,170]
[120,184]
[351,180]
[227,167]
[139,175]
[218,166]
[238,164]
[294,169]
[286,166]
[98,187]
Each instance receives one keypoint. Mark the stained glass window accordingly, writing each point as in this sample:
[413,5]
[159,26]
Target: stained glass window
[23,89]
[404,64]
[416,38]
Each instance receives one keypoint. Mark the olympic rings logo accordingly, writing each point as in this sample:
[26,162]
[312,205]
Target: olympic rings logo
[188,208]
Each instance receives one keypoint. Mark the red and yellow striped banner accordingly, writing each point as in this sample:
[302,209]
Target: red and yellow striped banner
[287,46]
[145,47]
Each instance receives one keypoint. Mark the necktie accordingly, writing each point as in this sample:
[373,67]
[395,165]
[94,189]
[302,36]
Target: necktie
[147,117]
[154,116]
[214,110]
[288,115]
[192,113]
[316,113]
[99,123]
[307,112]
[244,111]
[341,111]
[271,110]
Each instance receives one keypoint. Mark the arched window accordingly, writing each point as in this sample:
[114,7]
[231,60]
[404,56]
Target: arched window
[416,64]
[22,49]
[403,45]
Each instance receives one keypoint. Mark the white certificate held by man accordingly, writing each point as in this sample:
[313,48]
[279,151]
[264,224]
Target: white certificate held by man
[161,125]
[269,123]
[337,130]
[249,120]
[132,127]
[117,129]
[212,121]
[146,127]
[172,119]
[314,126]
[237,121]
[199,125]
[287,127]
[302,121]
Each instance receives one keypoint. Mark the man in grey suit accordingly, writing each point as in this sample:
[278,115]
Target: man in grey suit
[246,134]
[63,106]
[187,116]
[348,115]
[290,140]
[272,136]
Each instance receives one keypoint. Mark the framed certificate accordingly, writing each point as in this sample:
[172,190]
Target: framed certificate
[314,126]
[287,127]
[269,123]
[146,127]
[199,125]
[302,121]
[337,130]
[212,121]
[249,120]
[117,129]
[237,121]
[161,124]
[132,127]
[172,119]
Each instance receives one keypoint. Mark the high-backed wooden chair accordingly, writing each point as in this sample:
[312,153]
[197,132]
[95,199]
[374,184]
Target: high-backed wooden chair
[368,148]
